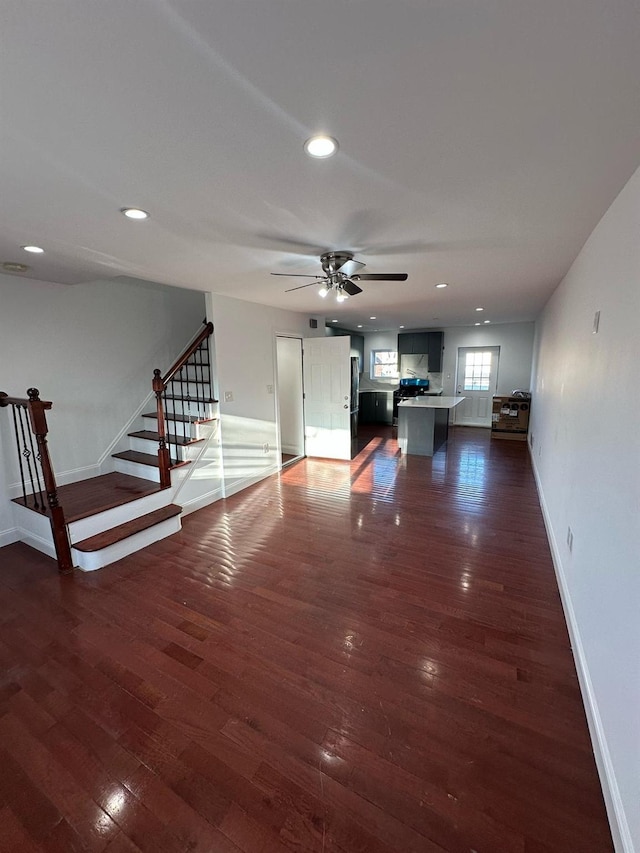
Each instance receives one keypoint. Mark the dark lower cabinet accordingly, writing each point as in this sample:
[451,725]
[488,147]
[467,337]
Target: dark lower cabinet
[376,407]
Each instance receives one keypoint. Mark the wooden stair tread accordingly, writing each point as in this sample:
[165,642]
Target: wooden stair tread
[149,459]
[151,435]
[171,416]
[123,531]
[98,494]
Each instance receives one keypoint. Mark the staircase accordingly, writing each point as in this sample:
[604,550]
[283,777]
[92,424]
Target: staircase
[108,517]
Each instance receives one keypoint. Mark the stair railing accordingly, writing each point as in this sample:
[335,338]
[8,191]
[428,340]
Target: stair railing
[192,406]
[39,489]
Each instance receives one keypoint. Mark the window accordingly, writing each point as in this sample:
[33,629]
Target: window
[384,364]
[477,371]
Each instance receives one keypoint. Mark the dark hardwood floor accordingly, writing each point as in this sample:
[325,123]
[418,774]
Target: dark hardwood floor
[362,657]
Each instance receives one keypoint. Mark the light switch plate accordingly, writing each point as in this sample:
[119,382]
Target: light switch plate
[596,322]
[228,396]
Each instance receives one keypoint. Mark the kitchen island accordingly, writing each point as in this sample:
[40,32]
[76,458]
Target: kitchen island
[423,424]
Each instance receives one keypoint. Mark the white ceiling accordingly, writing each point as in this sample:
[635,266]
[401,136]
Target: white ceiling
[480,142]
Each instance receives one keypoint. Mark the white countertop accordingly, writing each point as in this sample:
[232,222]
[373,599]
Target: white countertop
[431,402]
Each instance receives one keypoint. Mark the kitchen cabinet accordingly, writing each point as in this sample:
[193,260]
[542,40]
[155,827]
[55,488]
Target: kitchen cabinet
[413,343]
[423,343]
[436,345]
[376,407]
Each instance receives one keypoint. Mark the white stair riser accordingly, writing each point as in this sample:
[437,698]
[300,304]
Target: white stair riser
[176,427]
[147,445]
[135,469]
[89,561]
[192,412]
[93,524]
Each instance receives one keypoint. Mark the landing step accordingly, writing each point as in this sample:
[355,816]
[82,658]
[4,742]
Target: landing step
[149,459]
[123,531]
[185,419]
[150,435]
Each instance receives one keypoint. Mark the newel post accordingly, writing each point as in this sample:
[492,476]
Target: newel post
[164,460]
[38,420]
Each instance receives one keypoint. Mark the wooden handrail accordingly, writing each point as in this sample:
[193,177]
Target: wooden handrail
[36,409]
[159,387]
[186,355]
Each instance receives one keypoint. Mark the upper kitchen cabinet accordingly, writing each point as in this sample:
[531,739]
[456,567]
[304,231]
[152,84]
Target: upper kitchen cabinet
[413,343]
[436,345]
[423,343]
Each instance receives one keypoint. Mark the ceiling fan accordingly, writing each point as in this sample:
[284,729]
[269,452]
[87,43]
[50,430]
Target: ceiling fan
[340,276]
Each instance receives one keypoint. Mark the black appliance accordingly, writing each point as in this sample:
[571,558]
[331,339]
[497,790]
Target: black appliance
[354,404]
[404,392]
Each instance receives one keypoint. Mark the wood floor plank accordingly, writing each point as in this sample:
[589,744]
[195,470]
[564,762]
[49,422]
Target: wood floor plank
[360,658]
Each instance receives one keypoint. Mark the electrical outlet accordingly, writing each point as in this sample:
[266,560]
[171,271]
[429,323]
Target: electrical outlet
[228,396]
[570,539]
[265,447]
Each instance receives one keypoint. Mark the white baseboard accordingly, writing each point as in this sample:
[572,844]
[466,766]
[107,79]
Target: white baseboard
[7,537]
[618,823]
[201,501]
[37,542]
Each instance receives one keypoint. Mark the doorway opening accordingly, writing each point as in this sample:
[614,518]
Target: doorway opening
[290,399]
[476,381]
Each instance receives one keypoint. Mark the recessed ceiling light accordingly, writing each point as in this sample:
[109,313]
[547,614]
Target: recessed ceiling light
[402,327]
[36,250]
[477,324]
[360,326]
[442,284]
[321,146]
[479,309]
[134,213]
[373,318]
[10,266]
[334,321]
[487,321]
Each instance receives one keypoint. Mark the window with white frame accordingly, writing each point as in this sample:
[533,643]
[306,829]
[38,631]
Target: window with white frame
[477,371]
[384,364]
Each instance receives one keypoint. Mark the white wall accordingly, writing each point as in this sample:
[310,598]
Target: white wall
[586,452]
[245,349]
[91,349]
[516,350]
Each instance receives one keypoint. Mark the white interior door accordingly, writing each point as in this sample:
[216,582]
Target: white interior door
[476,381]
[327,388]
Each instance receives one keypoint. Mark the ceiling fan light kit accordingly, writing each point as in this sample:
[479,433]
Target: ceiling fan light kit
[341,274]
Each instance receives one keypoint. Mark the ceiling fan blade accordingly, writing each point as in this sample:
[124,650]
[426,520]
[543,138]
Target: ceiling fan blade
[298,275]
[350,287]
[348,268]
[300,286]
[381,276]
